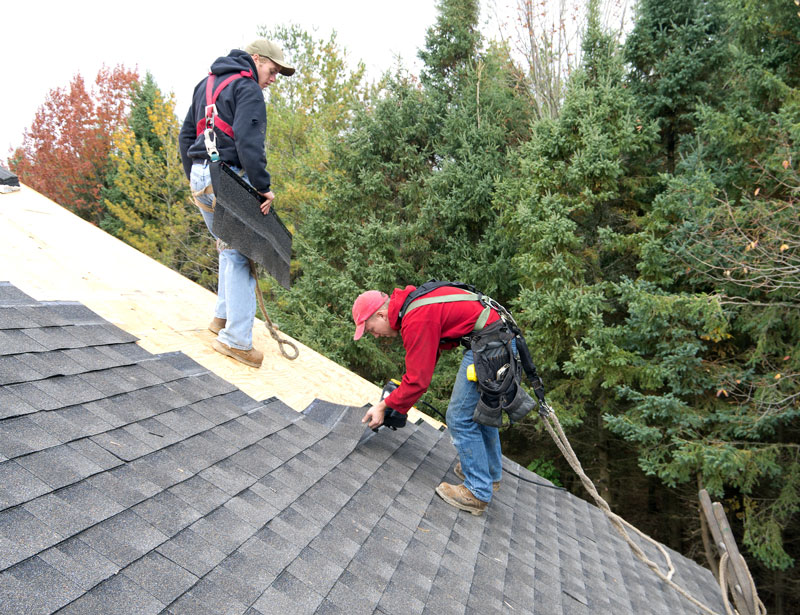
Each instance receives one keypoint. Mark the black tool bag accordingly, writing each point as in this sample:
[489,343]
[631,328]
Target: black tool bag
[498,371]
[238,222]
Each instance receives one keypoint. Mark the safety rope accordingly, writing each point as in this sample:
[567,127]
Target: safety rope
[551,421]
[723,581]
[723,585]
[273,330]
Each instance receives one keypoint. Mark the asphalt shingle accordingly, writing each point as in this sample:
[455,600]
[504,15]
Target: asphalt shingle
[84,566]
[160,577]
[13,370]
[36,587]
[133,483]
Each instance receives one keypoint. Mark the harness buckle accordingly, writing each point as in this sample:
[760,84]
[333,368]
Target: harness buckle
[209,136]
[211,113]
[210,139]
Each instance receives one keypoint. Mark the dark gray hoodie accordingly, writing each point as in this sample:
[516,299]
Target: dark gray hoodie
[240,104]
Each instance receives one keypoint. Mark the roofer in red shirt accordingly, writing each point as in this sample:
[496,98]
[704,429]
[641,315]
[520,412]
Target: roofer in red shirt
[426,330]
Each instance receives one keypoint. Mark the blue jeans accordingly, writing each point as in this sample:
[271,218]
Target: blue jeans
[478,446]
[236,299]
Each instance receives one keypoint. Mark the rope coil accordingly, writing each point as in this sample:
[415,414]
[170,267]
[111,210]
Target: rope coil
[273,330]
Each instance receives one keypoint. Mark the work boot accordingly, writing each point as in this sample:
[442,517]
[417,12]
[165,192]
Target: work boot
[460,473]
[250,357]
[461,497]
[217,325]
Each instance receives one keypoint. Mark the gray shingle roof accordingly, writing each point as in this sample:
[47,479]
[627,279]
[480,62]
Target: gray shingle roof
[134,483]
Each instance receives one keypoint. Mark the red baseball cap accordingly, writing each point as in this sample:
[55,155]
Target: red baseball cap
[365,305]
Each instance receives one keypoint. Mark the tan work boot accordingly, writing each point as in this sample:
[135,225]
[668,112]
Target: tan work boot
[217,325]
[251,357]
[460,473]
[461,497]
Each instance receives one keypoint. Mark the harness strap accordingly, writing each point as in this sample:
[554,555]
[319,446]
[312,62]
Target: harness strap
[211,101]
[479,324]
[209,189]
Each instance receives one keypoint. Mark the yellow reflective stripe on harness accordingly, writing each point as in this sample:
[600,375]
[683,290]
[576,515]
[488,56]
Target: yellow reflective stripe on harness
[479,324]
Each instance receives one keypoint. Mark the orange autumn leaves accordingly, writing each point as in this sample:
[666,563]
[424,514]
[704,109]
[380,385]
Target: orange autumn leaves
[65,153]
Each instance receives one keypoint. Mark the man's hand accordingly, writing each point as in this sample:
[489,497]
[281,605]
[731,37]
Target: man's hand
[375,415]
[269,196]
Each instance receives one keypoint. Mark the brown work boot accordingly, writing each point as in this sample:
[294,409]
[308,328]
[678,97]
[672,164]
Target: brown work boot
[461,497]
[460,473]
[217,325]
[250,357]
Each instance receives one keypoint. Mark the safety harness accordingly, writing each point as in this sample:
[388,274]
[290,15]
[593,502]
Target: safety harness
[211,119]
[416,299]
[209,122]
[497,367]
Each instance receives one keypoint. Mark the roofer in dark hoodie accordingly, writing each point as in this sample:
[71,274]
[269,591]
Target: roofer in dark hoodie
[240,128]
[426,332]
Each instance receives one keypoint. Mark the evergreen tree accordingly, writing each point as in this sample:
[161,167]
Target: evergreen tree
[579,187]
[409,192]
[675,50]
[722,233]
[451,45]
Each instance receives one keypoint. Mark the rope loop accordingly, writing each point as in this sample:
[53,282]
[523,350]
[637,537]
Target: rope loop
[282,341]
[273,330]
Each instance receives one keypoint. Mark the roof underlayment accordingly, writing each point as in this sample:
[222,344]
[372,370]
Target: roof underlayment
[52,255]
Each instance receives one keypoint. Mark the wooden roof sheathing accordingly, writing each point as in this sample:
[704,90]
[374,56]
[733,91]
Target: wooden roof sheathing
[52,254]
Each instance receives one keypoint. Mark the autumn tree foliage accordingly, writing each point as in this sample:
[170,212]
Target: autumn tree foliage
[304,113]
[65,153]
[148,201]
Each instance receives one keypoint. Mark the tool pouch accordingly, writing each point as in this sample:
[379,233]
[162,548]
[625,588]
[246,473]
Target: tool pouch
[498,371]
[489,414]
[520,405]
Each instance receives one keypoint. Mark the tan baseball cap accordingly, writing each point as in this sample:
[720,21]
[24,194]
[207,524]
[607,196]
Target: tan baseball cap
[270,49]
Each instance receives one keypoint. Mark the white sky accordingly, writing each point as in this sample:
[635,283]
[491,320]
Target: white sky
[44,43]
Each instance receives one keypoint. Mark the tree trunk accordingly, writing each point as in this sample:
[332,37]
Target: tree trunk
[603,472]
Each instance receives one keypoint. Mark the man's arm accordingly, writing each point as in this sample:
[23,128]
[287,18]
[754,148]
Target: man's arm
[186,138]
[250,128]
[421,340]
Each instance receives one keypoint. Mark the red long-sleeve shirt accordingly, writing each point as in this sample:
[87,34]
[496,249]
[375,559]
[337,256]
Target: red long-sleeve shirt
[424,331]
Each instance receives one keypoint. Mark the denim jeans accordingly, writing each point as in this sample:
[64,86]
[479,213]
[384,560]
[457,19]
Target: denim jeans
[236,300]
[478,446]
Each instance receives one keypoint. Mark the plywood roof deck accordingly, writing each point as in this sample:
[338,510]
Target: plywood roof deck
[53,255]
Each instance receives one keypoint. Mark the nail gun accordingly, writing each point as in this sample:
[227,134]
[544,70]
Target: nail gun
[391,418]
